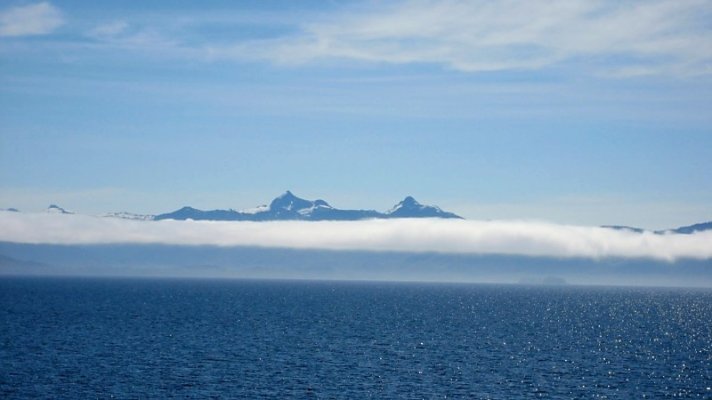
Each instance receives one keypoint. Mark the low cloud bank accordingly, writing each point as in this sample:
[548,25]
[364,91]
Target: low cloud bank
[410,235]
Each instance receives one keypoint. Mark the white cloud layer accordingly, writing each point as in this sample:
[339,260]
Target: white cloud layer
[408,235]
[617,38]
[32,19]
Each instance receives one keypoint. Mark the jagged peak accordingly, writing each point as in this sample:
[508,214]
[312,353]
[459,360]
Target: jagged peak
[410,207]
[410,201]
[286,195]
[289,201]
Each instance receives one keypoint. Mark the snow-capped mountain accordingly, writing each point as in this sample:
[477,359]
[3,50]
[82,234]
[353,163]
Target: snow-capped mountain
[290,207]
[410,208]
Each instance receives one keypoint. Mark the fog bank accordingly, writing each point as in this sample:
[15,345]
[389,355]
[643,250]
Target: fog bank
[527,238]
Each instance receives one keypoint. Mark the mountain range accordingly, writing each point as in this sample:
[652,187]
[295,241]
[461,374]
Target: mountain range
[289,207]
[688,229]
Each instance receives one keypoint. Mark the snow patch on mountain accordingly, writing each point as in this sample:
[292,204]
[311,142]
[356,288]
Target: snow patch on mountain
[255,210]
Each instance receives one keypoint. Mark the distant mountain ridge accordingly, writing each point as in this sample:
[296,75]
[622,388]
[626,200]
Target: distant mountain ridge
[705,226]
[55,209]
[128,215]
[685,230]
[288,207]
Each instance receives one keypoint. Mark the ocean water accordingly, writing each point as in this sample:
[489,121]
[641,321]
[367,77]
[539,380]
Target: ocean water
[140,338]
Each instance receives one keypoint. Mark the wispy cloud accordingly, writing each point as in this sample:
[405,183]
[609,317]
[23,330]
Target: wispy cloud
[409,235]
[109,29]
[604,38]
[609,37]
[122,35]
[32,19]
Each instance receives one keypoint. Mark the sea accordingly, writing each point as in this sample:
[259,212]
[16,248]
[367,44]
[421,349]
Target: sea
[81,338]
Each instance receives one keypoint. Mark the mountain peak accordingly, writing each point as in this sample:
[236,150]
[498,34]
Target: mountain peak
[410,208]
[287,201]
[409,201]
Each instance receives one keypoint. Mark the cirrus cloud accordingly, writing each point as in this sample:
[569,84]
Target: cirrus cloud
[31,19]
[622,39]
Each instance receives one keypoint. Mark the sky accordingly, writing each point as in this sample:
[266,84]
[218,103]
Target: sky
[573,112]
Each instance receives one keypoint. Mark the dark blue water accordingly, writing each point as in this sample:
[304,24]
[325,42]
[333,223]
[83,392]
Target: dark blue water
[94,338]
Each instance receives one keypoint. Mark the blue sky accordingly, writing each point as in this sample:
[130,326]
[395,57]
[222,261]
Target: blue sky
[572,112]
